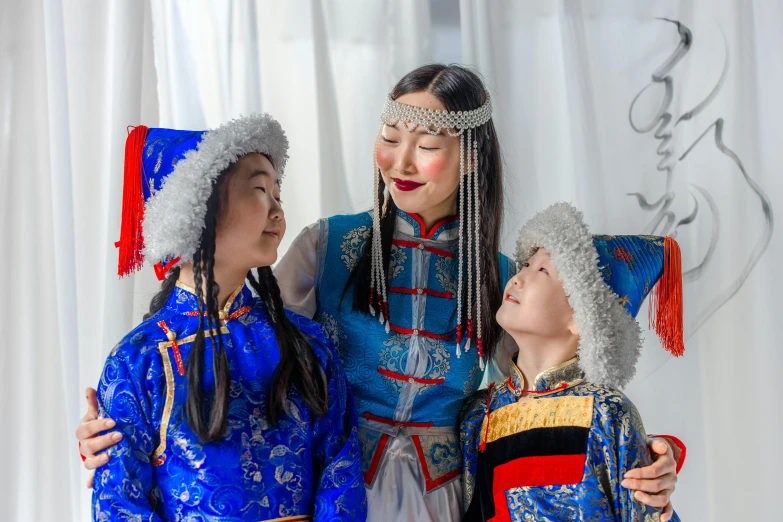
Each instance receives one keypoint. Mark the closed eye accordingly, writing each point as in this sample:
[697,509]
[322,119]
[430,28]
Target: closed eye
[387,140]
[429,148]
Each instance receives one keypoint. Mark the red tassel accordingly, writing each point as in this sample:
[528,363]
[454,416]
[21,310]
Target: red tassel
[131,238]
[459,333]
[480,345]
[161,270]
[483,445]
[666,300]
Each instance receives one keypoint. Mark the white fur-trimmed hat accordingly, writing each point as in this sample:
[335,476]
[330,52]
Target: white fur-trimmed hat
[606,278]
[169,176]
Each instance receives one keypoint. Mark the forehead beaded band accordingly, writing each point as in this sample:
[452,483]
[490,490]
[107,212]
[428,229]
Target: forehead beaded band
[464,124]
[435,120]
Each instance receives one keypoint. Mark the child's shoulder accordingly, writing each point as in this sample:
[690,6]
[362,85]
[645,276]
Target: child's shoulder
[142,341]
[611,405]
[495,396]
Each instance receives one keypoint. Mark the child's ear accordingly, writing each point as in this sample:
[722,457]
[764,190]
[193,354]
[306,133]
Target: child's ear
[572,326]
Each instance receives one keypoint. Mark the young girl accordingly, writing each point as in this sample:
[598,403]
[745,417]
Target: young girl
[231,407]
[408,292]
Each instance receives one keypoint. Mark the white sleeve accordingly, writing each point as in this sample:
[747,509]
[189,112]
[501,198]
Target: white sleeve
[295,272]
[498,368]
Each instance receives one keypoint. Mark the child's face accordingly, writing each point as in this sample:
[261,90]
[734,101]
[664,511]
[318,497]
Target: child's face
[535,303]
[252,221]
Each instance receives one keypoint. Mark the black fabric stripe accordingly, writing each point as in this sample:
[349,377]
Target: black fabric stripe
[539,442]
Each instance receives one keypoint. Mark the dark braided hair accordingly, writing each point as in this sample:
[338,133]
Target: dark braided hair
[160,299]
[298,366]
[207,410]
[458,89]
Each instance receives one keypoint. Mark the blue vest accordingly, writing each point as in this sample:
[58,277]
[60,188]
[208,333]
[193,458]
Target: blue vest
[408,381]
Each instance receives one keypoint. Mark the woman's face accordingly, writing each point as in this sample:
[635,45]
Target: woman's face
[252,221]
[420,170]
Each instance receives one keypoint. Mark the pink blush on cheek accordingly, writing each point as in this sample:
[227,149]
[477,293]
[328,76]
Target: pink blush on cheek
[384,157]
[433,168]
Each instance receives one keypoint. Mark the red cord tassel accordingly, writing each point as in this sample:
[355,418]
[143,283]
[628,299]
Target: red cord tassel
[666,300]
[131,238]
[483,445]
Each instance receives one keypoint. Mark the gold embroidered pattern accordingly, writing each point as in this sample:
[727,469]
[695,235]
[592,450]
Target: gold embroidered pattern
[163,348]
[553,412]
[295,518]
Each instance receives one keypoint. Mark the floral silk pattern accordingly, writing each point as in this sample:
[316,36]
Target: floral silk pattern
[303,468]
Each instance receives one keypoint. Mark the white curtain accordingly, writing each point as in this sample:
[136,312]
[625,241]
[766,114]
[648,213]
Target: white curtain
[564,76]
[72,76]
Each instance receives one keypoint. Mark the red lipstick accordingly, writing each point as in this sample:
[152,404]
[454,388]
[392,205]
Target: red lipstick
[405,185]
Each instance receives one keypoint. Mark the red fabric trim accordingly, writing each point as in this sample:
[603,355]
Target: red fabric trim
[488,413]
[161,271]
[239,313]
[174,348]
[677,442]
[80,452]
[415,244]
[420,451]
[400,377]
[429,483]
[442,480]
[533,471]
[376,458]
[561,386]
[415,291]
[160,460]
[392,422]
[423,333]
[427,234]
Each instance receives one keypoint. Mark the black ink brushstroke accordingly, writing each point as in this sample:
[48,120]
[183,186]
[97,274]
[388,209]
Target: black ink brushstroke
[663,220]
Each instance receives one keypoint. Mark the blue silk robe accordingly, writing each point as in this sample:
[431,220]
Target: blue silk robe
[557,454]
[305,468]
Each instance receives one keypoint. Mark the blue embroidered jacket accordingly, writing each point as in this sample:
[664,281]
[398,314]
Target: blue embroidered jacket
[304,468]
[558,453]
[408,382]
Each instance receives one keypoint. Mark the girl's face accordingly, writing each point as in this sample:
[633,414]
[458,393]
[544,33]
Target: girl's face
[251,223]
[535,303]
[420,170]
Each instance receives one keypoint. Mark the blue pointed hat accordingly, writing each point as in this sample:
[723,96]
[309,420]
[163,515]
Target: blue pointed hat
[606,279]
[169,176]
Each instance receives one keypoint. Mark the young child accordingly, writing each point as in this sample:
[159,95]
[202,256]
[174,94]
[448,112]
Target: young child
[554,440]
[231,408]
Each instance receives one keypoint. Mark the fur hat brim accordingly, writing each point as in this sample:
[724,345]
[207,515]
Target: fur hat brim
[610,339]
[174,215]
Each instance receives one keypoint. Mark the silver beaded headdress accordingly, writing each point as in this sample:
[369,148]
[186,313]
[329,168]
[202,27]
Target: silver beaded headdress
[453,123]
